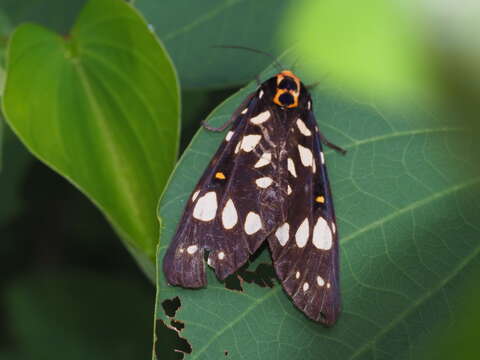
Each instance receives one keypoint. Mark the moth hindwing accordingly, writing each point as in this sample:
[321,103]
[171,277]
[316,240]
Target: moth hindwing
[267,181]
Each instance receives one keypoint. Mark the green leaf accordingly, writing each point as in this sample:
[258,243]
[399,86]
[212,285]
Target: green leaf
[190,29]
[100,107]
[461,340]
[407,212]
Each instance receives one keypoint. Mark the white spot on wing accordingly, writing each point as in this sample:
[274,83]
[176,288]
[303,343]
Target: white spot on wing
[264,160]
[282,234]
[322,235]
[260,94]
[305,287]
[328,285]
[320,281]
[322,157]
[229,215]
[237,148]
[229,136]
[221,255]
[245,111]
[291,167]
[334,228]
[306,155]
[303,128]
[249,142]
[260,118]
[195,194]
[297,275]
[289,190]
[192,249]
[309,105]
[301,236]
[206,207]
[252,223]
[264,182]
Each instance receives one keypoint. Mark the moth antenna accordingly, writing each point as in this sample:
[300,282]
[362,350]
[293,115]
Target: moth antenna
[275,61]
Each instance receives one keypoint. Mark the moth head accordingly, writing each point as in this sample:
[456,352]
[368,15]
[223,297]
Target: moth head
[288,90]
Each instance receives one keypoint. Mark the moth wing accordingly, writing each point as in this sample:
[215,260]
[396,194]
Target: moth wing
[232,209]
[305,246]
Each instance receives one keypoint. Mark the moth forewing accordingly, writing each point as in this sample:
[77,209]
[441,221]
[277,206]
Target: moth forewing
[267,180]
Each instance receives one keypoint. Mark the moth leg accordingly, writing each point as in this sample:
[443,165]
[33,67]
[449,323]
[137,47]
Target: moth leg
[325,141]
[218,129]
[233,118]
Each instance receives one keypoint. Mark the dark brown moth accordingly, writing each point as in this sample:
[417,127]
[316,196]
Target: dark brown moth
[267,181]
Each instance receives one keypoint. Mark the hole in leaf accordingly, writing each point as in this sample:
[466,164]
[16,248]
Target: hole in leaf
[170,306]
[206,254]
[263,276]
[225,353]
[177,324]
[234,282]
[169,345]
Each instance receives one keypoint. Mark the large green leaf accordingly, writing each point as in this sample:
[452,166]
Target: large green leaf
[407,212]
[190,29]
[101,107]
[461,340]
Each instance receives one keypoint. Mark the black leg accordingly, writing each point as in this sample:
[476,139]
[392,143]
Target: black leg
[331,145]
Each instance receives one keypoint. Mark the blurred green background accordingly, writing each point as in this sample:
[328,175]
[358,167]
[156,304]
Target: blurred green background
[70,289]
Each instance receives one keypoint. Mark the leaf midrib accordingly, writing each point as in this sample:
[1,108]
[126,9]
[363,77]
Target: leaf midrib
[127,195]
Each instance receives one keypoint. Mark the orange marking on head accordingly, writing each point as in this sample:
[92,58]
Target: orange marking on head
[295,93]
[289,74]
[220,175]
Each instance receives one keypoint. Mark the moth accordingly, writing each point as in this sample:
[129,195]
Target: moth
[267,182]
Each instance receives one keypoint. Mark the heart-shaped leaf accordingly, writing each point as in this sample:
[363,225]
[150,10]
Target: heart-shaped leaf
[406,208]
[101,107]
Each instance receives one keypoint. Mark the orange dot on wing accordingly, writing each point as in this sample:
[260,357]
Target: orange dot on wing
[320,199]
[220,175]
